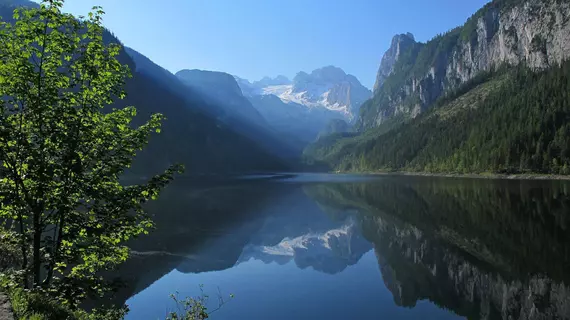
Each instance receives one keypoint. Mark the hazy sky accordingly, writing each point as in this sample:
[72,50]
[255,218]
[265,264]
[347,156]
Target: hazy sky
[255,38]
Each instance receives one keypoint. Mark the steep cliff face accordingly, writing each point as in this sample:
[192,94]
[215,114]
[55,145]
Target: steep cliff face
[534,32]
[400,43]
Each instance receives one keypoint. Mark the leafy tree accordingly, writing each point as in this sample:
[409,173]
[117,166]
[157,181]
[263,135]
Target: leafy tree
[62,156]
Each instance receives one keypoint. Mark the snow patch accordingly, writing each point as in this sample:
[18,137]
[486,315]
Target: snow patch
[316,96]
[288,246]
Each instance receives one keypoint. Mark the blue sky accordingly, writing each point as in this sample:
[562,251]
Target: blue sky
[255,38]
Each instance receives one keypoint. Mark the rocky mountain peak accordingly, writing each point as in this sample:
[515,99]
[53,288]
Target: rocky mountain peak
[304,106]
[321,76]
[400,43]
[535,33]
[328,74]
[329,87]
[268,81]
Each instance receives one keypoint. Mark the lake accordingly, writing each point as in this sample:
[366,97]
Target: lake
[316,246]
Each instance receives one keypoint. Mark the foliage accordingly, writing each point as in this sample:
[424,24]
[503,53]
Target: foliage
[29,305]
[62,156]
[519,125]
[9,255]
[194,308]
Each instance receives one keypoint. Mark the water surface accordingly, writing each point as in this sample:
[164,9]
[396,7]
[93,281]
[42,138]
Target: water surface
[358,247]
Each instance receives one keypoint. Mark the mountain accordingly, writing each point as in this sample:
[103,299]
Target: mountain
[18,3]
[267,81]
[400,43]
[335,126]
[309,102]
[170,82]
[293,119]
[190,135]
[247,88]
[217,95]
[224,90]
[490,96]
[504,32]
[329,87]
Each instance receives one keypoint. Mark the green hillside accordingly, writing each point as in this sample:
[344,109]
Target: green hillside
[511,120]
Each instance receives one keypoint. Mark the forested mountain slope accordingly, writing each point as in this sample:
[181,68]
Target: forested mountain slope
[501,110]
[189,135]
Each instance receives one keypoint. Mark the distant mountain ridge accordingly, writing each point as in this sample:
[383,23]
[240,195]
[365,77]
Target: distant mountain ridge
[224,90]
[328,87]
[304,106]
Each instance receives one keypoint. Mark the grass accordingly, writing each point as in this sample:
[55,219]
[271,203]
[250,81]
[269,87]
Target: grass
[35,306]
[29,305]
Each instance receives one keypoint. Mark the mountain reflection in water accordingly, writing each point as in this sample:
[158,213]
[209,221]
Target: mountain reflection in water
[383,247]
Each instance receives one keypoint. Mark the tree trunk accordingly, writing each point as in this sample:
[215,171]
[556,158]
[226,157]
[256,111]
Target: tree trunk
[37,246]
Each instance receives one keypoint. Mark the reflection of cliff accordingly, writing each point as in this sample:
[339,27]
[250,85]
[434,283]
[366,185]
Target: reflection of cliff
[486,250]
[415,267]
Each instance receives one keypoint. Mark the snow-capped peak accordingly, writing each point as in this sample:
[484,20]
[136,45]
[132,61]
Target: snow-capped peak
[328,87]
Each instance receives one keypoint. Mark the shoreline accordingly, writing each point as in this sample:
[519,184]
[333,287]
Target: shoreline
[517,176]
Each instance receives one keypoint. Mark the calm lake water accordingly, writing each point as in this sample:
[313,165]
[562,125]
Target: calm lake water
[358,247]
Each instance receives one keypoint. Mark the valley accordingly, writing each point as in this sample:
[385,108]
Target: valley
[486,97]
[311,159]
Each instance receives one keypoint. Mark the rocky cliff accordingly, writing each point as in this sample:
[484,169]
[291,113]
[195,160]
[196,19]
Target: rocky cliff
[400,43]
[504,32]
